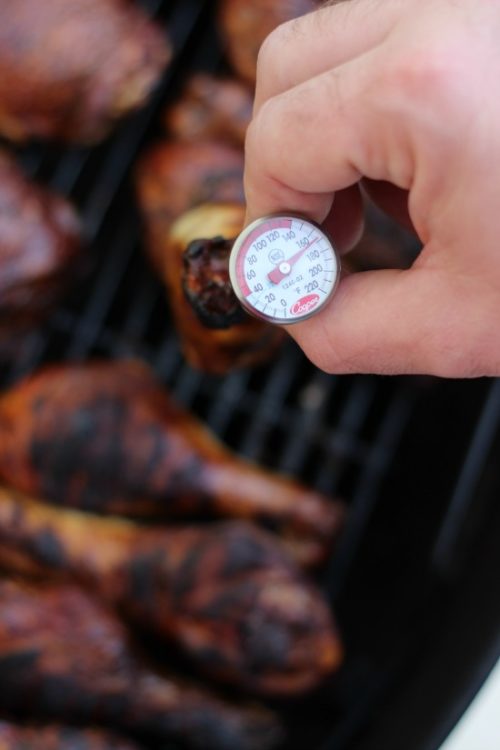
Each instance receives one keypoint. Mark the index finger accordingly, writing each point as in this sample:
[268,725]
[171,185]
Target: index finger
[316,42]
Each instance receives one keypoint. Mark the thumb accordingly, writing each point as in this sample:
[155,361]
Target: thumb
[419,321]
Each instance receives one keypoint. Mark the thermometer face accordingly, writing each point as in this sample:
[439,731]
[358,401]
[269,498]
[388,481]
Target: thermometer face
[283,268]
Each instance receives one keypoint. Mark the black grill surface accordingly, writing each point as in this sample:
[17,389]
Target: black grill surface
[412,457]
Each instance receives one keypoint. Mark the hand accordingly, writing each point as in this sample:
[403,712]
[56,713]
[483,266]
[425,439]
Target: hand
[404,93]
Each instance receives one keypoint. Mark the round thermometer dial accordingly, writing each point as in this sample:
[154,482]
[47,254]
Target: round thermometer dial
[283,268]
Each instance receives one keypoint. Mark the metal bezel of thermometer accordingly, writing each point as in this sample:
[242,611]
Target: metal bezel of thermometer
[275,274]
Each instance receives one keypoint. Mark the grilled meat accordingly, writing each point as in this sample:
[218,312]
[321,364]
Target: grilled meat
[70,68]
[243,341]
[39,248]
[206,283]
[244,26]
[226,593]
[211,108]
[63,657]
[106,437]
[173,177]
[59,737]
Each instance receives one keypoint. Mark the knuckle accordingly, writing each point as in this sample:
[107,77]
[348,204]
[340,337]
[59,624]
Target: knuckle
[433,76]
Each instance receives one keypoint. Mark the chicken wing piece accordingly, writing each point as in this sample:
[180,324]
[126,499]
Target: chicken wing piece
[175,176]
[59,737]
[63,657]
[211,108]
[226,593]
[106,437]
[244,26]
[40,248]
[70,68]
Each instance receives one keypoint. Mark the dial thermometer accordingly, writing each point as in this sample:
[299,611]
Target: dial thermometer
[283,268]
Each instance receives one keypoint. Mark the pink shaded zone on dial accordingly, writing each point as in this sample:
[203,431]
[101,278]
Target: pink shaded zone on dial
[278,223]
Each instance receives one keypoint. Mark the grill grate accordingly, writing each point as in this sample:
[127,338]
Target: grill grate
[392,447]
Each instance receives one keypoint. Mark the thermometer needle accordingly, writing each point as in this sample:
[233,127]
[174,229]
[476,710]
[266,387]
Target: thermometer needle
[285,267]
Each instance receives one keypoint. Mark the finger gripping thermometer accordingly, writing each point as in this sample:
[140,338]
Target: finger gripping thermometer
[283,268]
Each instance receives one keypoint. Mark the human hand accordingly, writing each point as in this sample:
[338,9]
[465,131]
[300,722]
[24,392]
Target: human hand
[403,92]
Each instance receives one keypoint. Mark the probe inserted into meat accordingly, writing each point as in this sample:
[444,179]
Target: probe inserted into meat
[213,342]
[40,248]
[59,737]
[226,593]
[106,437]
[211,108]
[63,657]
[70,68]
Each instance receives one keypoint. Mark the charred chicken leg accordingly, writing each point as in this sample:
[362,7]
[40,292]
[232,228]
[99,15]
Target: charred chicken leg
[63,657]
[59,737]
[39,248]
[106,437]
[215,344]
[227,593]
[70,68]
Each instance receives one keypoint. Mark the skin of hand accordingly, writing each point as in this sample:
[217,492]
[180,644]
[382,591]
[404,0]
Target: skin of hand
[400,96]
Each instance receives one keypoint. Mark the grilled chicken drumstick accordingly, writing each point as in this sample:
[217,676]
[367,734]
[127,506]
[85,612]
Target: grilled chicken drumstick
[214,343]
[173,177]
[211,108]
[70,68]
[39,248]
[106,437]
[59,737]
[64,658]
[227,593]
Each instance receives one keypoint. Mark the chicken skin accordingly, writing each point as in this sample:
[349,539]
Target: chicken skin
[63,657]
[106,437]
[40,249]
[59,737]
[70,68]
[227,593]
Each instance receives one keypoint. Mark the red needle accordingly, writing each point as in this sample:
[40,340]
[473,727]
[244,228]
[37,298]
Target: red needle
[277,274]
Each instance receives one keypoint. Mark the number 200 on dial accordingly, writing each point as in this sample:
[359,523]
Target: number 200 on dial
[283,268]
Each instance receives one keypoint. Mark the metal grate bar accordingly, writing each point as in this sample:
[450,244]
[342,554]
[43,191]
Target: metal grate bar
[307,422]
[187,384]
[342,443]
[68,171]
[270,401]
[138,316]
[365,494]
[463,496]
[115,265]
[29,356]
[230,394]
